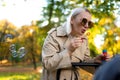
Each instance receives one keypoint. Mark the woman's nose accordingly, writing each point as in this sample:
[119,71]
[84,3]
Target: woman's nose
[86,25]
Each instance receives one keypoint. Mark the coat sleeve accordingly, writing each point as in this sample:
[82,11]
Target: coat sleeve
[52,58]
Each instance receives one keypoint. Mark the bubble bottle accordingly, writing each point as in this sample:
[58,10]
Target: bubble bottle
[104,52]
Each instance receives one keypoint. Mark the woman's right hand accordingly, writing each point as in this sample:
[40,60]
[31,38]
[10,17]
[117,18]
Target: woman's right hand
[75,43]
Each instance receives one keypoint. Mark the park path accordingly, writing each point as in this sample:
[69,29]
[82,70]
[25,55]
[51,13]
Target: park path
[20,69]
[15,69]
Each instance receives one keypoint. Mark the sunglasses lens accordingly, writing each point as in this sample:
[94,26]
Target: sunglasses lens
[90,24]
[84,21]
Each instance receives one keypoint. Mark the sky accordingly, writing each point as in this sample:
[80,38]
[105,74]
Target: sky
[21,12]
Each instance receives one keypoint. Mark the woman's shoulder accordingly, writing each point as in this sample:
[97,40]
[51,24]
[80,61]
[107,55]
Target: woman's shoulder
[52,30]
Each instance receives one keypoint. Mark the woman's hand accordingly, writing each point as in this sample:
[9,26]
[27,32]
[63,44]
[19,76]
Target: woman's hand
[100,58]
[75,43]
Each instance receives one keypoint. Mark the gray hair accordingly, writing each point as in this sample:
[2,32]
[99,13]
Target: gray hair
[74,13]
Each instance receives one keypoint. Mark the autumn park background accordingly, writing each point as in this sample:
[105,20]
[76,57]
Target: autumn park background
[106,33]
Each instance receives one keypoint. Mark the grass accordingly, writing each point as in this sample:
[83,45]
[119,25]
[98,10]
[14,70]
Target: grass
[20,76]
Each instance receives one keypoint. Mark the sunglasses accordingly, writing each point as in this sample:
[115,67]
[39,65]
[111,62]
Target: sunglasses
[85,21]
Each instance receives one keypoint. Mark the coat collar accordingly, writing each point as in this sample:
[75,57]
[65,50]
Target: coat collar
[61,31]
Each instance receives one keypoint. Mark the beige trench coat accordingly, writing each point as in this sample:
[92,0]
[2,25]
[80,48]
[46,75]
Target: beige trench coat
[55,55]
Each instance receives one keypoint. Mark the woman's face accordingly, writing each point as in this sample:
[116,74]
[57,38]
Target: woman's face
[80,23]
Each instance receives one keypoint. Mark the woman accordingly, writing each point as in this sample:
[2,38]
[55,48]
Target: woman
[67,44]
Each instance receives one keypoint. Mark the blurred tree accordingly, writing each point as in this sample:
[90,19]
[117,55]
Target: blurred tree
[7,33]
[7,30]
[29,38]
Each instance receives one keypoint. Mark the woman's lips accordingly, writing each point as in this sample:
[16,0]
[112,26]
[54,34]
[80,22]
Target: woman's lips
[83,30]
